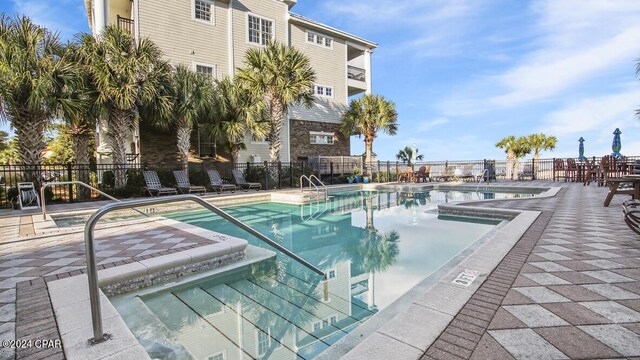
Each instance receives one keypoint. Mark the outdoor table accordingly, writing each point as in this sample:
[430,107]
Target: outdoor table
[614,184]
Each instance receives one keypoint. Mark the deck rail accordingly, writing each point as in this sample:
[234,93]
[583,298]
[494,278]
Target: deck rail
[92,271]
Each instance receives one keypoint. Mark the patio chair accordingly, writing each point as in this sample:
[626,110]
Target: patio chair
[217,184]
[424,173]
[571,171]
[153,185]
[606,169]
[184,185]
[527,172]
[631,210]
[242,182]
[467,173]
[406,176]
[590,172]
[559,167]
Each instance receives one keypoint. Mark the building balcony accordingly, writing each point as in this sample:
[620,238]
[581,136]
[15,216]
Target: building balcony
[356,80]
[126,24]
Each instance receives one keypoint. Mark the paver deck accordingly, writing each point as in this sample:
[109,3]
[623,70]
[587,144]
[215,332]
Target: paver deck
[570,289]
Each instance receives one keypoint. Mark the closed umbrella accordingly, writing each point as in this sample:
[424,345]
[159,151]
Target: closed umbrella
[581,149]
[617,144]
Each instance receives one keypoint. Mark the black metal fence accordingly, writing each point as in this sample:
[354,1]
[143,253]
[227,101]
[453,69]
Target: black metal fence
[272,175]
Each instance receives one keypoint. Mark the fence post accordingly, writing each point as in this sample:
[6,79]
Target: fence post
[378,174]
[397,170]
[70,178]
[303,172]
[388,171]
[266,175]
[553,165]
[291,174]
[279,174]
[533,168]
[331,171]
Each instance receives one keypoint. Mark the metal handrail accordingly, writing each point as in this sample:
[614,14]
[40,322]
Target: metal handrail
[485,171]
[310,184]
[92,271]
[44,208]
[326,190]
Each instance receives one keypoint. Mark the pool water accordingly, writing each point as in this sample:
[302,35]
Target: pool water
[374,246]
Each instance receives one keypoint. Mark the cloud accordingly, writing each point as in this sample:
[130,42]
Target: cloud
[427,125]
[600,113]
[569,43]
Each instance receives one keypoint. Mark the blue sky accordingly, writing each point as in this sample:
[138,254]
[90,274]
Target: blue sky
[464,74]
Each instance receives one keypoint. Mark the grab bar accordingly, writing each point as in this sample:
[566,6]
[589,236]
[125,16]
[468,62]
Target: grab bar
[485,171]
[326,191]
[92,271]
[44,207]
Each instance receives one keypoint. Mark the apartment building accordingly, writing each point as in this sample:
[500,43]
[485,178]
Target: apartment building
[212,37]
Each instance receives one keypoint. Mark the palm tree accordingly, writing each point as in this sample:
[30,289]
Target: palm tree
[128,77]
[35,74]
[406,155]
[192,98]
[515,149]
[368,115]
[540,142]
[283,76]
[237,112]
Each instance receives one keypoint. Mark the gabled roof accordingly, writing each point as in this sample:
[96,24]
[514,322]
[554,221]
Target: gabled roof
[331,30]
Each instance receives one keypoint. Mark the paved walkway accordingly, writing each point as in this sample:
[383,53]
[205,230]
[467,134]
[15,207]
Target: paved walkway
[570,289]
[27,261]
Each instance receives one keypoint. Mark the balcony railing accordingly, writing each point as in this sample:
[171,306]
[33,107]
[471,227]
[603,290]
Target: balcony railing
[125,24]
[356,73]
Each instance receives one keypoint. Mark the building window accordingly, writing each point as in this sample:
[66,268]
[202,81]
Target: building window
[203,10]
[206,146]
[264,341]
[331,274]
[218,356]
[323,91]
[321,138]
[260,30]
[258,140]
[319,40]
[208,70]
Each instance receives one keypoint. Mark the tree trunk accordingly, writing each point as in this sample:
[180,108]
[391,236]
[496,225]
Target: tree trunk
[516,167]
[30,134]
[82,157]
[235,151]
[275,142]
[120,122]
[510,160]
[184,142]
[535,165]
[368,147]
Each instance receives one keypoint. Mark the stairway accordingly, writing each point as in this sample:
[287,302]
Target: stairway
[244,315]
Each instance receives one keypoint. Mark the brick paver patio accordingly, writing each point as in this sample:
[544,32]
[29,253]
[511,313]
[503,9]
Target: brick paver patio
[568,290]
[26,263]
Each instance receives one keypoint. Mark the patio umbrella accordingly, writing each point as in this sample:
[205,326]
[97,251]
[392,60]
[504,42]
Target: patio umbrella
[617,144]
[581,149]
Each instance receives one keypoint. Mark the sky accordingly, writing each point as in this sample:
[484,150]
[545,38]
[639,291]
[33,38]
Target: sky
[465,73]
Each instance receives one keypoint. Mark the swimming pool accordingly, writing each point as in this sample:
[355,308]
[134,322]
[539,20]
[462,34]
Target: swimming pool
[374,246]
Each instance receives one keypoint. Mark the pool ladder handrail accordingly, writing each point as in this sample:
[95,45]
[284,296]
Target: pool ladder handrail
[74,182]
[481,178]
[311,183]
[92,271]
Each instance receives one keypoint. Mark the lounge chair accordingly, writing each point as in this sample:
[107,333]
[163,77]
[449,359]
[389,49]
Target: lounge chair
[242,182]
[153,185]
[184,185]
[631,209]
[467,173]
[527,171]
[217,184]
